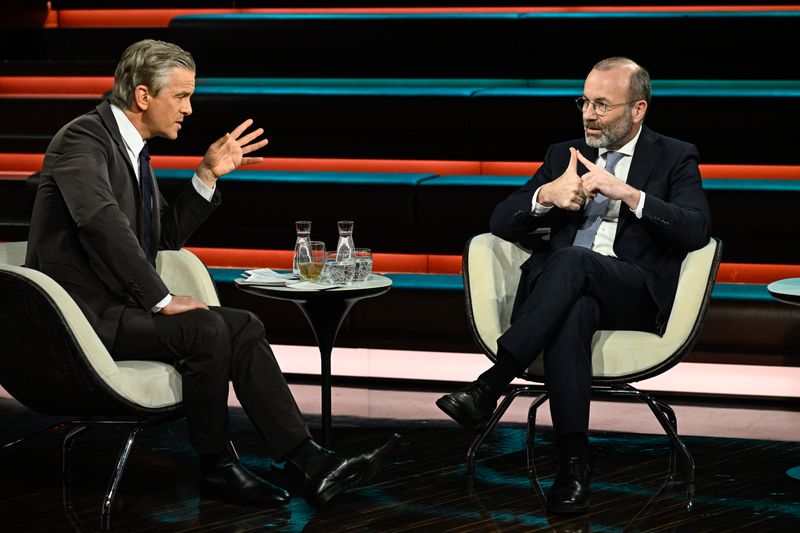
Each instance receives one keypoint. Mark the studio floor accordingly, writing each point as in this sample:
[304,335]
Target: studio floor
[742,454]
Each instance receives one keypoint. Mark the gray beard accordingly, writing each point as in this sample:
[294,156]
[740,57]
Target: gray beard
[596,142]
[612,134]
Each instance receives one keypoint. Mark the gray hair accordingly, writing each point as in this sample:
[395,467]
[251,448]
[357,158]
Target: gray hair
[640,78]
[147,63]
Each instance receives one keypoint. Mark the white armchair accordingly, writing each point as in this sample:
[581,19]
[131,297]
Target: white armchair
[53,362]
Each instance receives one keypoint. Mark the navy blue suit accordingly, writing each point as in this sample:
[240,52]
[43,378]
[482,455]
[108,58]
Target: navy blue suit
[566,293]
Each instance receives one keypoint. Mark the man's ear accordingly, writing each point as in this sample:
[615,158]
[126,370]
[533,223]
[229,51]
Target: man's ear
[141,97]
[639,110]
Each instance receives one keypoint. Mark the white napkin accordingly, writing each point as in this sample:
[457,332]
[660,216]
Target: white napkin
[266,276]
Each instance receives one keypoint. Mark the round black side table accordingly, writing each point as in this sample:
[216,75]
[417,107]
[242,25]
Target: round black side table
[325,310]
[787,291]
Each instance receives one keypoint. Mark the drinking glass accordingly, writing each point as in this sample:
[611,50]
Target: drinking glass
[311,265]
[363,257]
[338,272]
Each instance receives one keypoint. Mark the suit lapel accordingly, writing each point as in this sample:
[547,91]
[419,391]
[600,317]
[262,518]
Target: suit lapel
[104,110]
[645,158]
[106,115]
[589,153]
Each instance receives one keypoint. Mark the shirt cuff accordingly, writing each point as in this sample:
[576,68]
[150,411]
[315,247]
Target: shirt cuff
[162,304]
[201,188]
[640,207]
[538,209]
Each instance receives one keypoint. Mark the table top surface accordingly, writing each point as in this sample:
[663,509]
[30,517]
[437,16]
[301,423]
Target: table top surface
[375,282]
[788,286]
[786,290]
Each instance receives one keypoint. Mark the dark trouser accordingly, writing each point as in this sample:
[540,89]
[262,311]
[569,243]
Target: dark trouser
[209,348]
[578,292]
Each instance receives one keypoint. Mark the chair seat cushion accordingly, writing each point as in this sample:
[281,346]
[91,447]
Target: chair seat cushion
[148,383]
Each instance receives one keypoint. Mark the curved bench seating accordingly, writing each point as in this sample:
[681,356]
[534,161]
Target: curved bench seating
[416,212]
[485,119]
[514,44]
[28,163]
[121,13]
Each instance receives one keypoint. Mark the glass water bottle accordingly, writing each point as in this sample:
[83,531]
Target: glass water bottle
[301,249]
[345,248]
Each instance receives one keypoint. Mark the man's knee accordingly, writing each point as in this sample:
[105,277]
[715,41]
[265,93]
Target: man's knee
[241,321]
[571,256]
[203,330]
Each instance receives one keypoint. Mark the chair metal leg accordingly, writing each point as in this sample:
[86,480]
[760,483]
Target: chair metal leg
[665,416]
[81,425]
[476,443]
[496,416]
[670,424]
[673,421]
[673,436]
[232,449]
[116,477]
[530,444]
[66,472]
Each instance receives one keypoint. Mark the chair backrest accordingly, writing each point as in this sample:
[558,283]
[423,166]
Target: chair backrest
[185,274]
[491,276]
[52,360]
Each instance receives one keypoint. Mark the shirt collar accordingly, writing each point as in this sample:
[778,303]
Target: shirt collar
[131,136]
[626,149]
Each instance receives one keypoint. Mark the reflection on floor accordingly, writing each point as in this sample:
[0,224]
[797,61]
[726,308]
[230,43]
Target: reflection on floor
[740,485]
[767,421]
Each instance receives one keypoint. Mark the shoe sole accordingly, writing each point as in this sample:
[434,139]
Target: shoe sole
[362,476]
[451,409]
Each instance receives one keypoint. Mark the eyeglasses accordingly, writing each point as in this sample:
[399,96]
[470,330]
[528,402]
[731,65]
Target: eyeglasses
[601,108]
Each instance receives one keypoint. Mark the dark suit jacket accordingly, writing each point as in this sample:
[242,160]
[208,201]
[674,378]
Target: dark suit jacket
[85,222]
[675,218]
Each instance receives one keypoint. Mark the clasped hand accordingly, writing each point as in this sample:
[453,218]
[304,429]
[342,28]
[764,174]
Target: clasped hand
[570,190]
[228,153]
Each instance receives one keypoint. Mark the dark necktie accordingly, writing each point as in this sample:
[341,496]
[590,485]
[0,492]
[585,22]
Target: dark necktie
[596,209]
[146,188]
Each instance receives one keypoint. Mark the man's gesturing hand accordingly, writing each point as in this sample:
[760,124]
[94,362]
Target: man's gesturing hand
[182,304]
[566,191]
[227,153]
[598,179]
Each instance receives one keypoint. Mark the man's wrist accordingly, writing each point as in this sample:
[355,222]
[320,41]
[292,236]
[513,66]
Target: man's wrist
[162,304]
[632,197]
[542,197]
[206,176]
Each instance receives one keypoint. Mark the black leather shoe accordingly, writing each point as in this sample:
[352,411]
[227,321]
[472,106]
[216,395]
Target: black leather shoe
[325,475]
[570,490]
[472,406]
[229,481]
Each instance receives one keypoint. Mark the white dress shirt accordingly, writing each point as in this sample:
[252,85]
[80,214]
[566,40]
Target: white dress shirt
[604,240]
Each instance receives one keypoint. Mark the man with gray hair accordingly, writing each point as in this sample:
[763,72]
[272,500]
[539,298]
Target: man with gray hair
[97,223]
[624,206]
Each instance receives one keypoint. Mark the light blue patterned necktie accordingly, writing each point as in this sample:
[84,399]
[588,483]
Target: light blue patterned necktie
[596,208]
